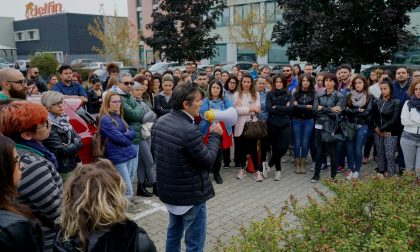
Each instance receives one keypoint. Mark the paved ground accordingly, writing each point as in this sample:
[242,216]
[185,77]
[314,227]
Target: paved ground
[236,202]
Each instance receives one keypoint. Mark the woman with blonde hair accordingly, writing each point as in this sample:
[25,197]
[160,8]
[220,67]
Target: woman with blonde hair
[94,213]
[118,136]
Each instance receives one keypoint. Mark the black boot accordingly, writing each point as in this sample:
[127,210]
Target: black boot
[155,190]
[141,191]
[218,178]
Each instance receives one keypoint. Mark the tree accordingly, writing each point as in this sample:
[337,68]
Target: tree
[117,37]
[355,32]
[46,63]
[181,29]
[251,31]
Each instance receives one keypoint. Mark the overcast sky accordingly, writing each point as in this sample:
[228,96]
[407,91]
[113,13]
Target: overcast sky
[16,8]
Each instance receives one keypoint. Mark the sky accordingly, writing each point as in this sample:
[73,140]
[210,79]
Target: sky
[16,8]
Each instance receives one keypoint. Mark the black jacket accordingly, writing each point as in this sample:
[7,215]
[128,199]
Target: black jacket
[19,234]
[127,237]
[303,98]
[327,101]
[355,116]
[182,160]
[278,111]
[94,102]
[386,115]
[66,154]
[161,106]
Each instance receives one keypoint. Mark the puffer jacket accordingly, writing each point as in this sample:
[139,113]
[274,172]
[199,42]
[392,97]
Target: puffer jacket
[278,111]
[303,98]
[127,237]
[182,159]
[327,101]
[18,233]
[355,116]
[386,115]
[66,153]
[118,147]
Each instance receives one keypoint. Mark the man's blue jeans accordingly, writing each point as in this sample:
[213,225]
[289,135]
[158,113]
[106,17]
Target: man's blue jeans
[302,130]
[354,149]
[193,223]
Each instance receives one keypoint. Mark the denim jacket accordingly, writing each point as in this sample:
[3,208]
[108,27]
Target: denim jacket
[263,115]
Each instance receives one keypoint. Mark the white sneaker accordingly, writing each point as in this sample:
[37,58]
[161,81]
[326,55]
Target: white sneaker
[350,176]
[258,176]
[241,174]
[266,169]
[313,166]
[355,175]
[277,176]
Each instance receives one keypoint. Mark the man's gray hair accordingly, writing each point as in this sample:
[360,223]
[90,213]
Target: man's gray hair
[122,75]
[48,99]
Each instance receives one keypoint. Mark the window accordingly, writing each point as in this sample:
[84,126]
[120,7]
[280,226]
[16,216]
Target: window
[246,54]
[243,11]
[20,36]
[224,19]
[155,1]
[220,55]
[272,12]
[238,12]
[139,3]
[277,54]
[32,34]
[140,20]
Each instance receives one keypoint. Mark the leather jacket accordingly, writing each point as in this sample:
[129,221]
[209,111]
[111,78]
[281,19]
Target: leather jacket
[355,116]
[303,98]
[386,115]
[327,101]
[18,233]
[276,104]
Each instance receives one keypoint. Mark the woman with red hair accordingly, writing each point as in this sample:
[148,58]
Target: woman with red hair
[41,187]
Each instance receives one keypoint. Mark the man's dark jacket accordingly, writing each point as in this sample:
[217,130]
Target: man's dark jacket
[182,160]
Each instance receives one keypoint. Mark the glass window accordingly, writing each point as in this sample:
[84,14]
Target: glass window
[223,20]
[272,12]
[277,54]
[238,12]
[220,55]
[139,3]
[140,20]
[256,8]
[246,53]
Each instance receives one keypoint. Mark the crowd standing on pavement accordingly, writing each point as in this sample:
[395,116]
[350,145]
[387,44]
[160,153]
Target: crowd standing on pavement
[155,132]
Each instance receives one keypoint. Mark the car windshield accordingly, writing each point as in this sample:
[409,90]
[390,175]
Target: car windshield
[158,66]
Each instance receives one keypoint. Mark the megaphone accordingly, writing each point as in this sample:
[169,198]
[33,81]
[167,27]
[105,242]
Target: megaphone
[229,116]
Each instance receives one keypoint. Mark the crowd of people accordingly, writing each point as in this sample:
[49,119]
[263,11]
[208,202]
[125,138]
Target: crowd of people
[155,132]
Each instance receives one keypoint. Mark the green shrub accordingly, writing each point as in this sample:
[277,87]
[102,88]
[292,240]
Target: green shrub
[369,215]
[46,63]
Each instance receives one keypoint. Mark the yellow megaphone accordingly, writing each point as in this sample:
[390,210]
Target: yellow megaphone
[229,116]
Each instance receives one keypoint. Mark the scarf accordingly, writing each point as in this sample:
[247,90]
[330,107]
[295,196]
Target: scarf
[63,123]
[414,102]
[358,99]
[41,148]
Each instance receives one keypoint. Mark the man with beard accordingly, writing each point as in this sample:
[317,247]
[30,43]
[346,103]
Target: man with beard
[203,84]
[292,82]
[35,80]
[13,84]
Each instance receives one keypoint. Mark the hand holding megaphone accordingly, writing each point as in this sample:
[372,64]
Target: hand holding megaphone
[229,116]
[216,128]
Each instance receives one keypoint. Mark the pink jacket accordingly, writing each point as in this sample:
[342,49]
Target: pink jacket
[243,111]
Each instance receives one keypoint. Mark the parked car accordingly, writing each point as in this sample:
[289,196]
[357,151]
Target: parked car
[3,65]
[393,68]
[161,67]
[80,63]
[242,65]
[83,123]
[96,65]
[103,74]
[22,65]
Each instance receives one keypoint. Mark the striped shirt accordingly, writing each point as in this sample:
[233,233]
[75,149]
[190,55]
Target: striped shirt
[41,189]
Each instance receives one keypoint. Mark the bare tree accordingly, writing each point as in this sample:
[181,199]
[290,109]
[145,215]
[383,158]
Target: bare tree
[117,37]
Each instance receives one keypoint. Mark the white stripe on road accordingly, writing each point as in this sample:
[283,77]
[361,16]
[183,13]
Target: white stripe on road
[155,208]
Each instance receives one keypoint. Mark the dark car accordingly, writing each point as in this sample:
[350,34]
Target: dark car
[392,68]
[83,123]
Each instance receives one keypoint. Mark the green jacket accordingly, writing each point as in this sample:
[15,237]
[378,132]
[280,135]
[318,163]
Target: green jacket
[3,96]
[133,114]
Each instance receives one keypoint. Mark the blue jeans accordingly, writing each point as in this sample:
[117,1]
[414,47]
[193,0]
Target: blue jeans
[354,149]
[193,223]
[302,130]
[124,171]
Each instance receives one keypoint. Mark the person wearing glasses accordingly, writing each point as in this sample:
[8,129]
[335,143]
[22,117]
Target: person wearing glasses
[63,140]
[41,187]
[33,77]
[67,87]
[118,137]
[13,84]
[292,81]
[19,229]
